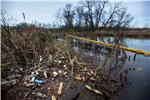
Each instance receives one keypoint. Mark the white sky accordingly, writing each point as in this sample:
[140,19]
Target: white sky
[44,10]
[71,0]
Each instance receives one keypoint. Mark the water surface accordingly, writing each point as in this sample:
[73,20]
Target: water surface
[139,79]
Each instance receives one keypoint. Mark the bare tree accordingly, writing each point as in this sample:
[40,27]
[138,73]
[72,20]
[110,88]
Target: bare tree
[110,16]
[96,14]
[123,18]
[59,17]
[99,9]
[89,13]
[79,16]
[117,16]
[68,15]
[4,21]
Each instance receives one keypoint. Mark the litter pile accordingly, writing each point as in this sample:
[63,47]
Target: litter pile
[41,81]
[62,75]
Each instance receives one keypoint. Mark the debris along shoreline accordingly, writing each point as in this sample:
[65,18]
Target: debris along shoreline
[47,67]
[64,72]
[45,81]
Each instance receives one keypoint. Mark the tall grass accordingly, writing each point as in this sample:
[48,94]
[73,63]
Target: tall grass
[24,44]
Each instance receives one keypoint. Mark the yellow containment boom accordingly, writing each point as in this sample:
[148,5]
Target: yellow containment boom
[112,45]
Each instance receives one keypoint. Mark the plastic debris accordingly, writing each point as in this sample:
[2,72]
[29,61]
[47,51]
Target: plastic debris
[59,62]
[138,69]
[92,72]
[53,97]
[64,66]
[14,81]
[89,74]
[77,77]
[55,74]
[84,69]
[33,78]
[40,59]
[48,88]
[65,73]
[40,69]
[36,72]
[59,71]
[32,73]
[41,95]
[60,88]
[83,78]
[26,95]
[92,78]
[39,82]
[20,69]
[45,74]
[62,57]
[30,84]
[50,58]
[60,39]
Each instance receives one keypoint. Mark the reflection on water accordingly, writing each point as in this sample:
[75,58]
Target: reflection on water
[140,87]
[143,44]
[138,70]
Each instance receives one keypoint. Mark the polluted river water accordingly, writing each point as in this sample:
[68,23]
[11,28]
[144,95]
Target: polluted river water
[137,68]
[140,80]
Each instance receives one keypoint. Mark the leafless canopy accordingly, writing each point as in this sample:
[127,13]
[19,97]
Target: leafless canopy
[95,15]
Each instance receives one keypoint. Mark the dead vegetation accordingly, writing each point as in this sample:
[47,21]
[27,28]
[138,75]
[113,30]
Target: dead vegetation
[31,56]
[37,65]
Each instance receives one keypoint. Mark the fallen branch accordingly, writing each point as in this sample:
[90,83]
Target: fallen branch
[93,90]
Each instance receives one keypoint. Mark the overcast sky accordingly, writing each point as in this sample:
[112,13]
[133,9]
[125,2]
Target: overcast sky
[44,10]
[71,0]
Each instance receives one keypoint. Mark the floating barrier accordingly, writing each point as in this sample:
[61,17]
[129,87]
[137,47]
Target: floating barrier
[112,45]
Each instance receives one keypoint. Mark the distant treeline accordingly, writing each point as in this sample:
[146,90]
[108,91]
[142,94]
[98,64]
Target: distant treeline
[94,15]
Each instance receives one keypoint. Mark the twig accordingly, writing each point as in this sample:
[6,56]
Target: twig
[93,90]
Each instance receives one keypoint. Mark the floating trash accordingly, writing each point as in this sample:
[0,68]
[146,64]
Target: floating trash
[33,78]
[138,69]
[60,88]
[41,95]
[39,82]
[53,97]
[55,74]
